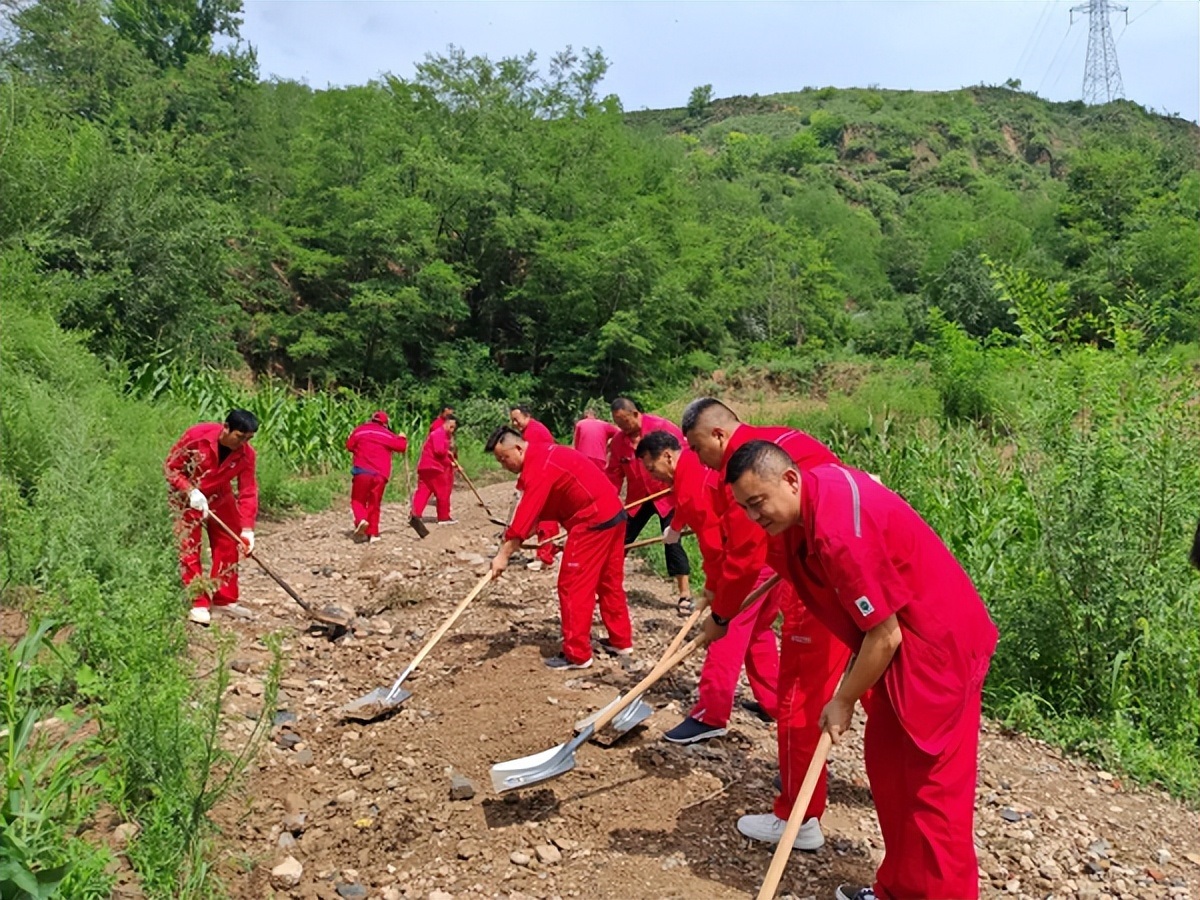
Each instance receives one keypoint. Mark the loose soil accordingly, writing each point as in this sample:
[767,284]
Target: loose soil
[366,809]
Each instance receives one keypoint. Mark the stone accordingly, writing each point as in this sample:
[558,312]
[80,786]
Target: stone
[294,822]
[519,858]
[360,770]
[286,740]
[437,894]
[548,854]
[351,891]
[241,665]
[287,873]
[391,893]
[124,833]
[345,798]
[461,787]
[1008,814]
[467,849]
[304,757]
[1162,856]
[286,841]
[1013,886]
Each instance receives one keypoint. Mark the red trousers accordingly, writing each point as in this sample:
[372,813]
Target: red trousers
[435,484]
[547,529]
[223,587]
[750,639]
[811,662]
[593,568]
[366,499]
[926,805]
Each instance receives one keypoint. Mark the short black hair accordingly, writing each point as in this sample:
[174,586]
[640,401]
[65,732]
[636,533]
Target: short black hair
[521,408]
[623,403]
[241,420]
[697,408]
[756,456]
[501,435]
[653,444]
[449,417]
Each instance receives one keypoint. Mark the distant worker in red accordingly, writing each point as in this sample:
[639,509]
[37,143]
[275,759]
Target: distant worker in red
[534,432]
[559,484]
[435,472]
[201,470]
[371,446]
[883,582]
[592,436]
[811,660]
[623,468]
[750,638]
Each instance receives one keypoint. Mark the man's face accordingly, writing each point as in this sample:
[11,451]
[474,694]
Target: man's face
[709,444]
[519,419]
[773,502]
[511,456]
[450,425]
[662,468]
[628,421]
[231,440]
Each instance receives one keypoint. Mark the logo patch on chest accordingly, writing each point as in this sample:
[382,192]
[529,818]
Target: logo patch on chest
[864,605]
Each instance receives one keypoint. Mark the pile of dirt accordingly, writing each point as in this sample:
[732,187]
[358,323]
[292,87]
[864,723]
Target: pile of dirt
[403,808]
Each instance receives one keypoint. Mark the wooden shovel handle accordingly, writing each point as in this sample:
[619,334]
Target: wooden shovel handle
[783,849]
[262,565]
[751,598]
[471,485]
[628,506]
[646,683]
[450,620]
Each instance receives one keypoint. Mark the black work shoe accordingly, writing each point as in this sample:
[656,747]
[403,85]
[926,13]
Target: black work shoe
[756,709]
[853,892]
[777,781]
[690,730]
[561,663]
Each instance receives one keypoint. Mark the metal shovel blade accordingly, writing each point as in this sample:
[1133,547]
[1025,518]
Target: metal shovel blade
[375,704]
[626,720]
[418,526]
[333,615]
[520,773]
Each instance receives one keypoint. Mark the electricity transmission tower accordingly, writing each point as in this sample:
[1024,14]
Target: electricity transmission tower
[1101,73]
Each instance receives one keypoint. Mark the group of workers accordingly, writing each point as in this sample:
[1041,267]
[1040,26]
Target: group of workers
[875,609]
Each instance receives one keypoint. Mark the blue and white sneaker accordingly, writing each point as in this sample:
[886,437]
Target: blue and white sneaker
[691,731]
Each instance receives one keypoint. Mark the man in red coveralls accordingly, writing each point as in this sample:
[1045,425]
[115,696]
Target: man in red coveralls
[560,484]
[371,446]
[883,582]
[810,659]
[200,471]
[592,436]
[534,432]
[624,467]
[435,471]
[750,638]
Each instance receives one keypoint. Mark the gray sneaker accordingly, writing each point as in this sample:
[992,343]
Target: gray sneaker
[854,892]
[561,663]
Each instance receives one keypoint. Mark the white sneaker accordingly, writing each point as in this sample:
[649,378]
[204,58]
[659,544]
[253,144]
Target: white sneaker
[373,539]
[768,828]
[536,566]
[200,615]
[360,528]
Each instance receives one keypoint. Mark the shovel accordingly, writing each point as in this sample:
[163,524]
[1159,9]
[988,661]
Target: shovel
[628,506]
[528,770]
[381,700]
[639,712]
[471,485]
[783,849]
[330,615]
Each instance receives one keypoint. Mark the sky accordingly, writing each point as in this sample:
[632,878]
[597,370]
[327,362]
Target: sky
[659,50]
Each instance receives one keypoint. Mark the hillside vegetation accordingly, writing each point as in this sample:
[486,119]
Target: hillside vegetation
[990,300]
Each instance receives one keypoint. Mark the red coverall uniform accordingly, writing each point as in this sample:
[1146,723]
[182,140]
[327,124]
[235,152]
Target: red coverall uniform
[592,437]
[435,475]
[810,661]
[750,638]
[624,466]
[195,462]
[859,555]
[535,432]
[560,484]
[371,446]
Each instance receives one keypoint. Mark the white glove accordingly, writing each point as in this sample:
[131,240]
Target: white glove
[198,502]
[671,536]
[248,540]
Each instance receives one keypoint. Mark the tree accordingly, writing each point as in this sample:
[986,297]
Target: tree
[699,100]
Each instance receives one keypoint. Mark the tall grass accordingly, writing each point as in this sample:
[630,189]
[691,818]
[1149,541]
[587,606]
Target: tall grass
[86,537]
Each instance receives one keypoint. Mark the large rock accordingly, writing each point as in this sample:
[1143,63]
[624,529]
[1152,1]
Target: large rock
[461,787]
[287,874]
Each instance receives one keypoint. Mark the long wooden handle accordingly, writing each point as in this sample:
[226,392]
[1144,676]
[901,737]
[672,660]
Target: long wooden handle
[646,683]
[628,506]
[453,617]
[784,848]
[657,539]
[471,485]
[262,565]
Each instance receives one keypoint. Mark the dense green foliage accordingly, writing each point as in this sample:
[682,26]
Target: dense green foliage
[492,229]
[86,539]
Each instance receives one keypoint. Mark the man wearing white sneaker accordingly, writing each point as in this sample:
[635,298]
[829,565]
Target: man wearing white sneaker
[560,484]
[883,582]
[371,446]
[201,470]
[810,659]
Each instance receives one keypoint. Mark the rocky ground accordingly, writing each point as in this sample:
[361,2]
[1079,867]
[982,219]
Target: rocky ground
[402,807]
